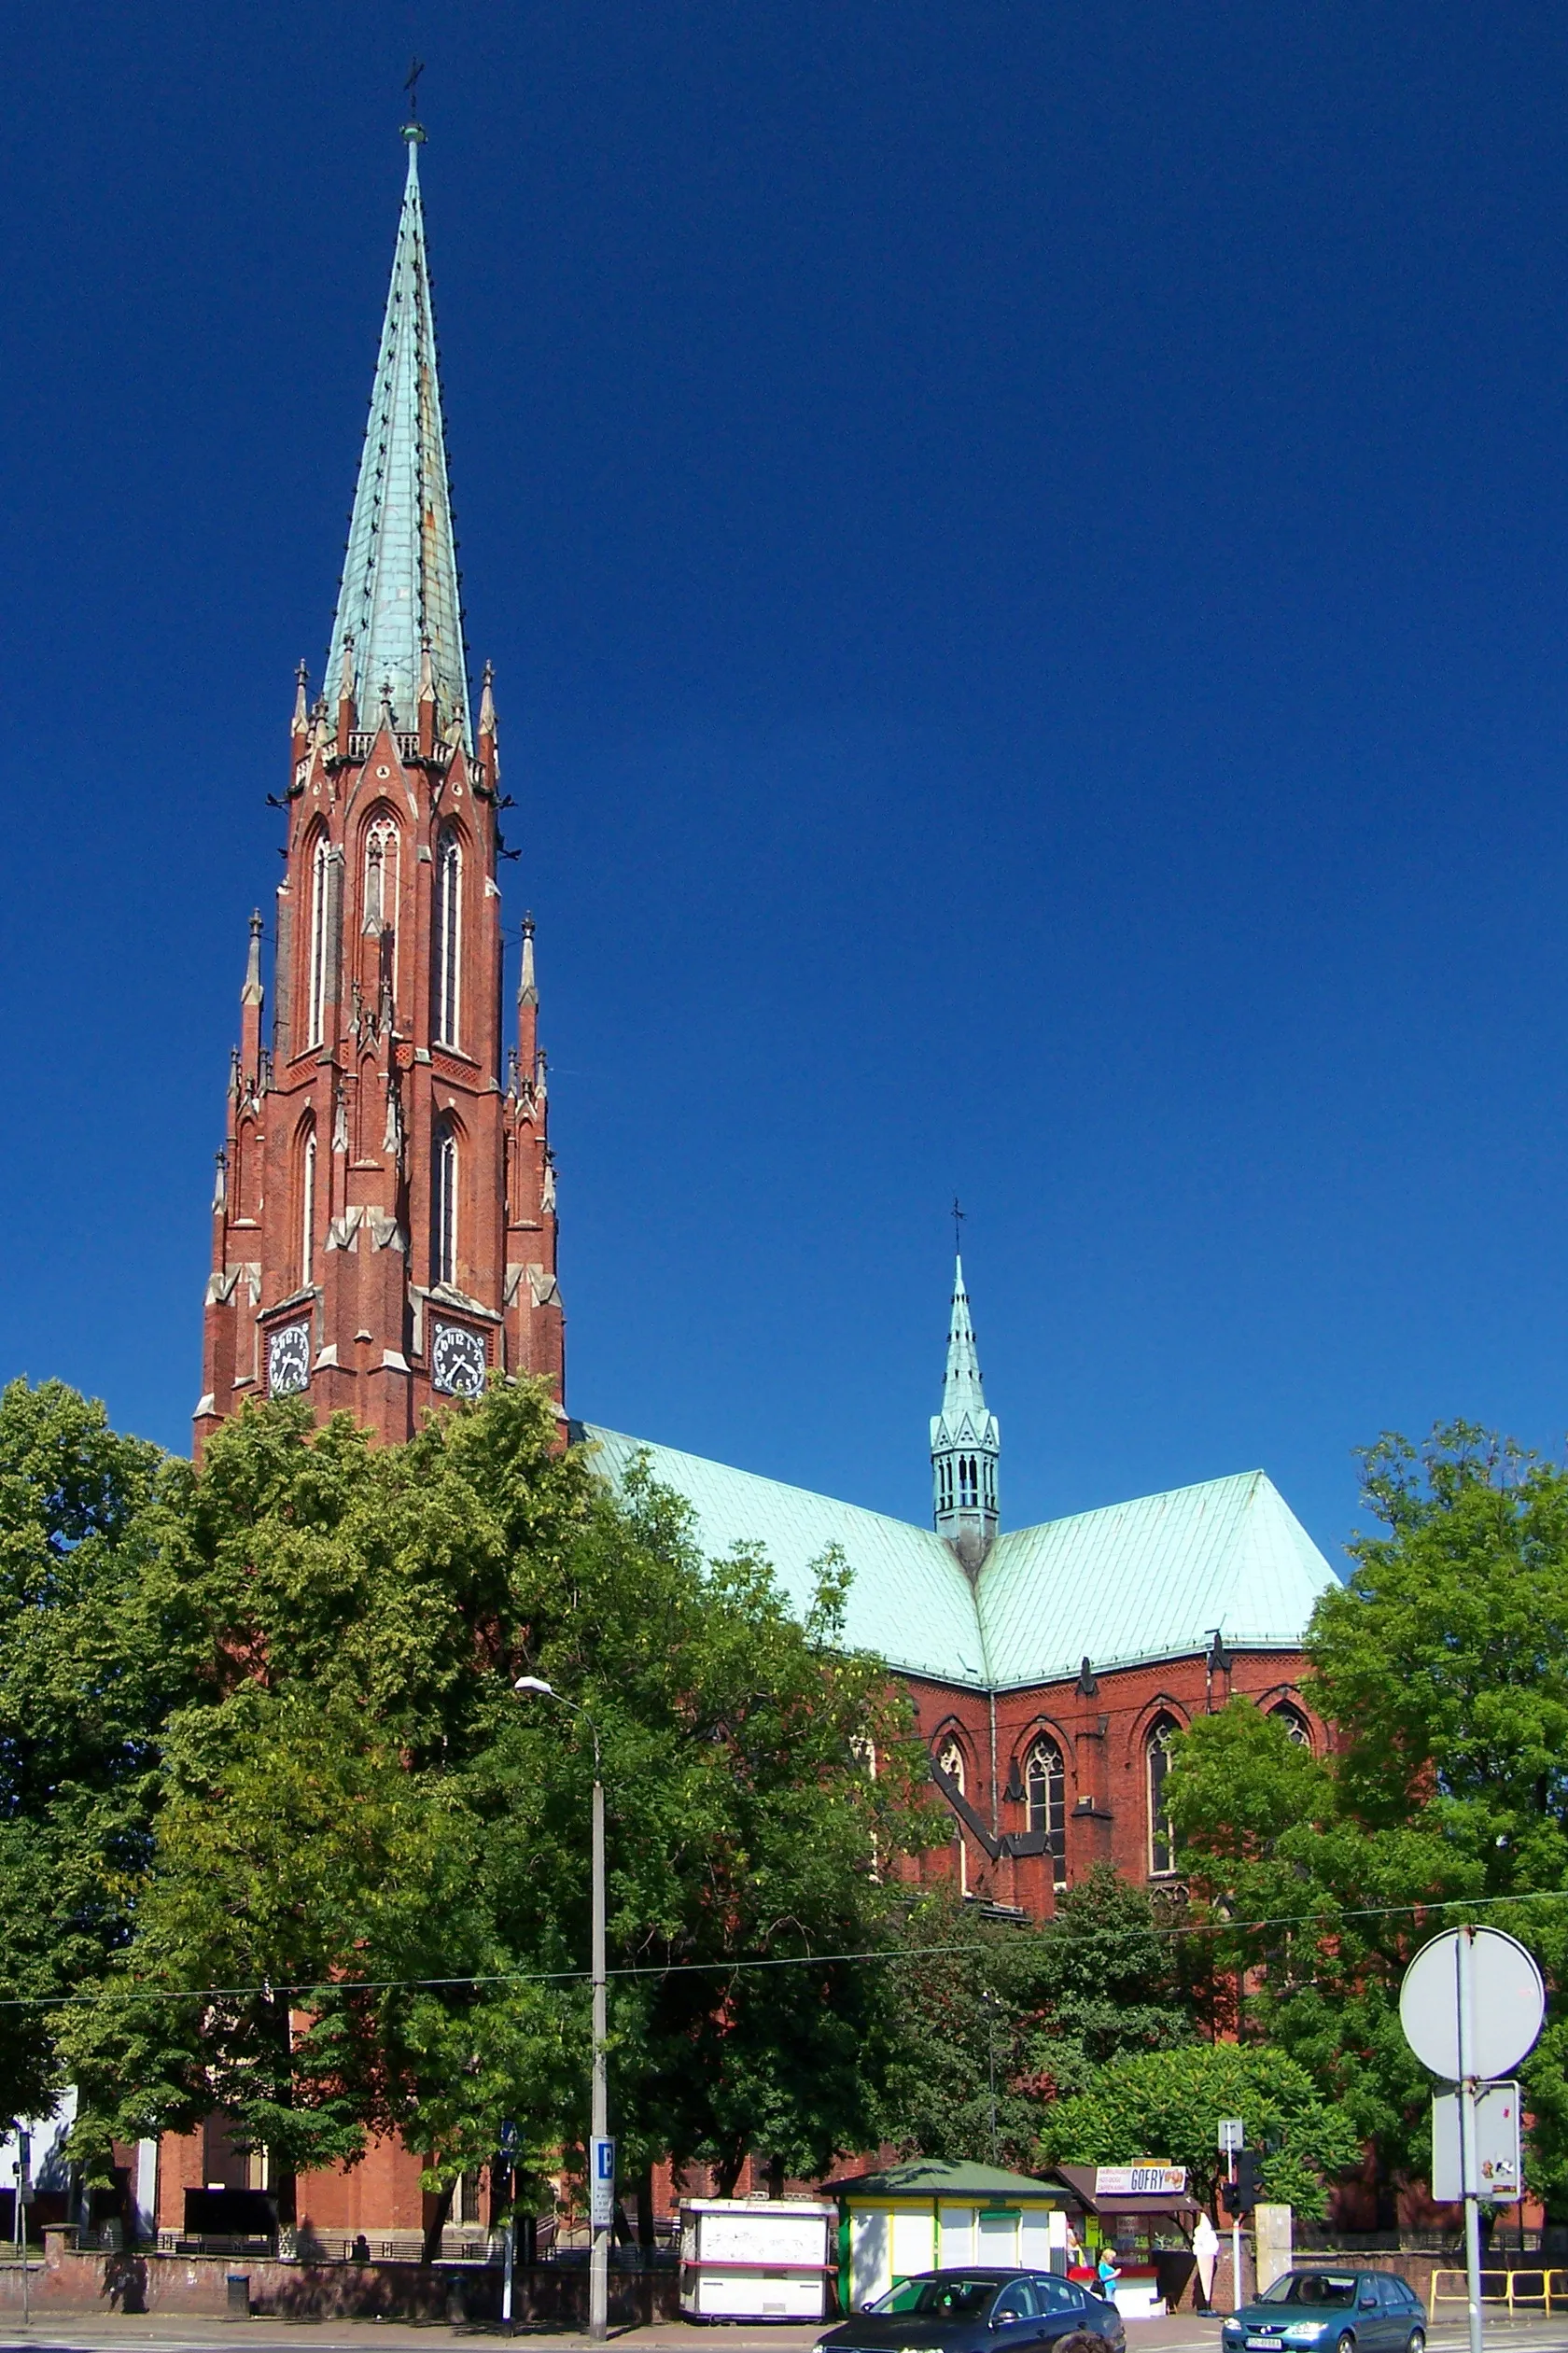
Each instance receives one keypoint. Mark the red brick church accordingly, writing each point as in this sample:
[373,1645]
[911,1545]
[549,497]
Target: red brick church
[385,1239]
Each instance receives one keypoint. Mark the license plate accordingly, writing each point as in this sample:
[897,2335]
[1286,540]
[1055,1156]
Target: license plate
[1266,2344]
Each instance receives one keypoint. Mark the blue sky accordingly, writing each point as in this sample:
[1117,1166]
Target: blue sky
[1026,552]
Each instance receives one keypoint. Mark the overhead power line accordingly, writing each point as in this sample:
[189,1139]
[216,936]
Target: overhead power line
[1324,1924]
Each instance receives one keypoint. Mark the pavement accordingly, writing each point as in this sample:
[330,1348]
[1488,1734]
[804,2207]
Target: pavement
[115,2333]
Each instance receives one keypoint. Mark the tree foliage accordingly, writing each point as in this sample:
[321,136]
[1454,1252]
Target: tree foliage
[1168,2105]
[367,1909]
[86,1680]
[1443,1667]
[996,2018]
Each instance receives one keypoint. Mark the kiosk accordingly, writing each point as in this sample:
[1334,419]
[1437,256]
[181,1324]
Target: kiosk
[1147,2214]
[929,2216]
[754,2259]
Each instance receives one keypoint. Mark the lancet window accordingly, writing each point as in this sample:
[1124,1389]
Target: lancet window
[320,940]
[444,1207]
[1293,1724]
[449,936]
[951,1760]
[382,880]
[307,1208]
[1162,1835]
[1046,1791]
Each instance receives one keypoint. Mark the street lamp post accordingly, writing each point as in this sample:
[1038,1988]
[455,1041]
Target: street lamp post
[601,2207]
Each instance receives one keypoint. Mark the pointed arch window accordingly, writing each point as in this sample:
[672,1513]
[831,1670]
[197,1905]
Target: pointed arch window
[444,1207]
[951,1760]
[1156,1759]
[383,876]
[307,1208]
[449,936]
[1045,1792]
[320,940]
[1293,1724]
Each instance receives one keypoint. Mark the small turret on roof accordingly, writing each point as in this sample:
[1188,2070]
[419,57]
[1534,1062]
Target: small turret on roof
[965,1442]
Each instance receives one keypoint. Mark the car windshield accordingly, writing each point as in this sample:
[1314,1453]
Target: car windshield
[1321,2287]
[952,2293]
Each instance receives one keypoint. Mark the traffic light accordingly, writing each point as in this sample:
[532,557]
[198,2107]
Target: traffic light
[1240,2195]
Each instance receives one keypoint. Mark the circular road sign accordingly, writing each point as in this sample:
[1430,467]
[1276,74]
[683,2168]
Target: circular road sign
[1509,2002]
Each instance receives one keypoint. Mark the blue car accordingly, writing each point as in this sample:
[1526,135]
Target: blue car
[1330,2312]
[977,2310]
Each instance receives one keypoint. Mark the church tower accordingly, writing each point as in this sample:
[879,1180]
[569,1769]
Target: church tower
[965,1443]
[384,1226]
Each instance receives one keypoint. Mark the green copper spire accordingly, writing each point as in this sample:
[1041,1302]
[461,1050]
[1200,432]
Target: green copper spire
[965,1443]
[398,600]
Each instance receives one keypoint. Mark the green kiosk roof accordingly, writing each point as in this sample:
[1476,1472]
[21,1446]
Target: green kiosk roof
[930,2178]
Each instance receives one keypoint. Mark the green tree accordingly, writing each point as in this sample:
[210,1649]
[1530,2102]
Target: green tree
[1443,1667]
[383,1853]
[996,2018]
[87,1676]
[1168,2105]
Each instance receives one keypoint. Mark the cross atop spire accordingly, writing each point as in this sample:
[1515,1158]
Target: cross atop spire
[965,1441]
[399,590]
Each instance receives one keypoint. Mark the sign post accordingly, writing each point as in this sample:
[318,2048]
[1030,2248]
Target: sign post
[1469,2173]
[1471,2005]
[1232,2136]
[508,2152]
[23,2200]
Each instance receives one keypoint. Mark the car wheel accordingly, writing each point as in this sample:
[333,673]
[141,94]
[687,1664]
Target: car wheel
[1346,2344]
[1418,2342]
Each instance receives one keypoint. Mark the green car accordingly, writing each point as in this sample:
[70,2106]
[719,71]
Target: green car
[1330,2312]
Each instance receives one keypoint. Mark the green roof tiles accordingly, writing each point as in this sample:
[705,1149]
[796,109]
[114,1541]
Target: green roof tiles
[910,1599]
[936,2178]
[1151,1578]
[1136,1581]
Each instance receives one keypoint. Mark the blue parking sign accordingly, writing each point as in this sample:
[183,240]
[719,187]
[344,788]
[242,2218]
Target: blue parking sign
[601,2183]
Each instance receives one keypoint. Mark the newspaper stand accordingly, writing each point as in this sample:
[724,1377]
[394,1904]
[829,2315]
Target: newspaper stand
[755,2259]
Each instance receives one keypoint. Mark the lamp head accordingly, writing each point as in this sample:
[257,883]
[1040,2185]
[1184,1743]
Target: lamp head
[534,1683]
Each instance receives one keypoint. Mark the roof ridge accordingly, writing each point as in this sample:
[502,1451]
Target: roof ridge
[1155,1495]
[766,1478]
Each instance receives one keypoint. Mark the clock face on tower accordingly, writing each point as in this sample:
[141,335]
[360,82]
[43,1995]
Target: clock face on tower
[288,1360]
[456,1361]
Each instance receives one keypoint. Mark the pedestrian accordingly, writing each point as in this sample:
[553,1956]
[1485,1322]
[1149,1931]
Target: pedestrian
[1106,2273]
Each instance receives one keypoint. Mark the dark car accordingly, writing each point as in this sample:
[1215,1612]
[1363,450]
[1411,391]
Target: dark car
[977,2311]
[1337,2311]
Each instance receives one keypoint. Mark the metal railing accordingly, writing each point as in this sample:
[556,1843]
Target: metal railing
[1529,2288]
[1509,2243]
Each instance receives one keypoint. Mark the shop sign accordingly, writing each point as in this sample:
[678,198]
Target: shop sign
[1143,2180]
